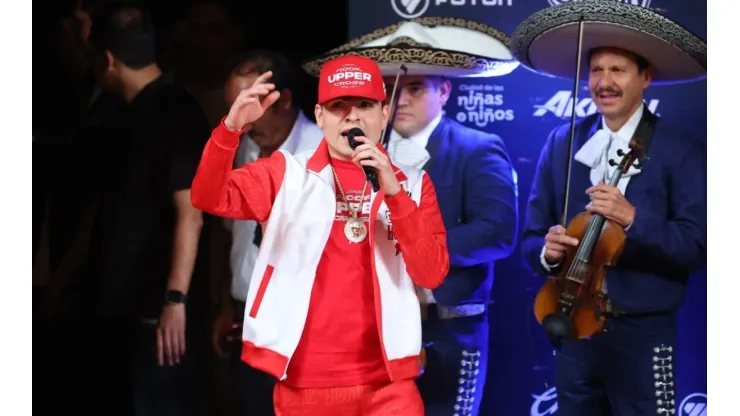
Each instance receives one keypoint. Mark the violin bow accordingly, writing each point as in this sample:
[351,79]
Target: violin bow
[385,135]
[564,219]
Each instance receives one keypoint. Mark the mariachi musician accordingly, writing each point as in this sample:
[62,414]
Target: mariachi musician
[661,202]
[475,182]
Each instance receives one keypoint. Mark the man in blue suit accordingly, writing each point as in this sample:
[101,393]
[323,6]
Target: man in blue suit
[476,188]
[628,368]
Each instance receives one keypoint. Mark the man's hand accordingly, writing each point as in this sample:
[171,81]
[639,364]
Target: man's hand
[223,324]
[171,334]
[251,103]
[378,160]
[556,242]
[609,202]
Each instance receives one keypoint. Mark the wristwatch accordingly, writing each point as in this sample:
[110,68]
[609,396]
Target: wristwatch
[175,296]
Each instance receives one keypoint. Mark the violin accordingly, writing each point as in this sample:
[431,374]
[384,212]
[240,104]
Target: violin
[572,305]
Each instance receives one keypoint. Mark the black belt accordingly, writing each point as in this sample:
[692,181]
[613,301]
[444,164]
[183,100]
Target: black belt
[614,312]
[431,311]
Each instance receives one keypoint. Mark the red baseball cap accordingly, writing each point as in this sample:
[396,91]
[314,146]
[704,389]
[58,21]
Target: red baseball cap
[351,76]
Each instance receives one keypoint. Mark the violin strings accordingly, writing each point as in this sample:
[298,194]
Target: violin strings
[576,267]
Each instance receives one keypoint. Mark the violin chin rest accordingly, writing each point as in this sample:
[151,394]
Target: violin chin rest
[558,326]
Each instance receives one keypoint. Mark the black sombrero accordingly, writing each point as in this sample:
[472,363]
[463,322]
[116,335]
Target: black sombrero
[430,46]
[546,41]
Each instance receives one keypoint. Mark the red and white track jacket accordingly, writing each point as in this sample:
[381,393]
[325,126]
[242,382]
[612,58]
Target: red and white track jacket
[294,198]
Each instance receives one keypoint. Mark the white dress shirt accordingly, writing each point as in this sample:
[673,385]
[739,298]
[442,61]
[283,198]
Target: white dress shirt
[412,152]
[597,152]
[304,136]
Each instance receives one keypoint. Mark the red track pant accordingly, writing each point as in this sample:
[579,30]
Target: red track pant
[400,398]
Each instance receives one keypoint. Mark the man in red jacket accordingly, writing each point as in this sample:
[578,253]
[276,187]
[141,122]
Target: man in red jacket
[353,349]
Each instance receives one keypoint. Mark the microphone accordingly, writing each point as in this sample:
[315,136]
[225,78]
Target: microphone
[370,173]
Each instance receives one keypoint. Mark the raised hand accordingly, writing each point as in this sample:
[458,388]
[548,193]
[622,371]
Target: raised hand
[252,103]
[368,154]
[609,202]
[556,243]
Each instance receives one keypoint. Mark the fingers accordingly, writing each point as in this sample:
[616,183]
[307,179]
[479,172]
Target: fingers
[170,346]
[606,211]
[556,234]
[603,189]
[160,347]
[170,342]
[370,162]
[560,239]
[262,78]
[364,151]
[181,343]
[556,229]
[364,140]
[270,99]
[254,93]
[601,186]
[216,342]
[556,242]
[605,207]
[554,254]
[605,196]
[367,145]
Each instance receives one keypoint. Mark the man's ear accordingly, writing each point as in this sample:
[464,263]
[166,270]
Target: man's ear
[285,102]
[445,89]
[319,113]
[647,77]
[386,114]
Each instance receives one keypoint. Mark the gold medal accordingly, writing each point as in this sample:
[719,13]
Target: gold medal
[355,230]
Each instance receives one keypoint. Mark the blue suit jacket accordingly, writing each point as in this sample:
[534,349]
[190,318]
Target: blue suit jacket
[473,177]
[668,238]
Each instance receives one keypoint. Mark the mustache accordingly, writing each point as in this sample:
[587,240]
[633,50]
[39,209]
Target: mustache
[607,90]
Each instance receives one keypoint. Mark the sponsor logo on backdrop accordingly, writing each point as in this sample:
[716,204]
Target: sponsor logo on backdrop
[641,3]
[695,404]
[409,9]
[481,105]
[561,104]
[545,404]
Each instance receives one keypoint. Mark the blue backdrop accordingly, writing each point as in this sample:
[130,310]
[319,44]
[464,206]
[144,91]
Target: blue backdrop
[523,108]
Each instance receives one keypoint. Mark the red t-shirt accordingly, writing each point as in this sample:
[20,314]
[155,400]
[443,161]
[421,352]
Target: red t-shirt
[340,344]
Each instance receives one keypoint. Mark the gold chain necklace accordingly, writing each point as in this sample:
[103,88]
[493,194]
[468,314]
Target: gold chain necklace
[355,229]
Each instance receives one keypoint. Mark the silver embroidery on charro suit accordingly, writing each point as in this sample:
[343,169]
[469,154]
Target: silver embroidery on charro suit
[665,390]
[469,369]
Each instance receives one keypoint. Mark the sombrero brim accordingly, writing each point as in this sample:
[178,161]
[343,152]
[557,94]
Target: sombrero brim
[547,41]
[422,59]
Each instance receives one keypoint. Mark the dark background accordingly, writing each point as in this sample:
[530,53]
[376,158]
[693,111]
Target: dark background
[299,29]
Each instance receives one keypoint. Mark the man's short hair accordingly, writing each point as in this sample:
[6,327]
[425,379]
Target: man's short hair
[284,72]
[126,30]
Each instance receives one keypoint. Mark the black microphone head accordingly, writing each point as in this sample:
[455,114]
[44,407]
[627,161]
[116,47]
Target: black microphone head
[351,134]
[354,132]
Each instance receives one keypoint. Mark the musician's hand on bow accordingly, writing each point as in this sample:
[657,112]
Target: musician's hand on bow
[556,242]
[251,103]
[609,202]
[380,161]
